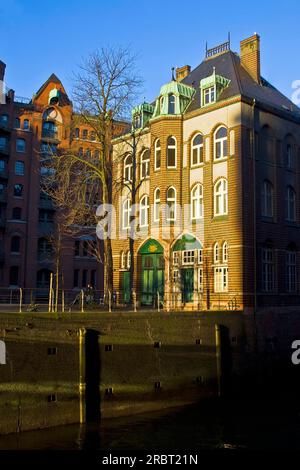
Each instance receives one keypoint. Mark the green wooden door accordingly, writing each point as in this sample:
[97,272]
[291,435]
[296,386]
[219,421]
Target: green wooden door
[187,281]
[152,278]
[126,286]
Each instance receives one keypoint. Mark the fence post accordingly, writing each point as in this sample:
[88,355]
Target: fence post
[63,301]
[158,302]
[82,300]
[134,300]
[50,293]
[109,301]
[218,356]
[21,300]
[52,300]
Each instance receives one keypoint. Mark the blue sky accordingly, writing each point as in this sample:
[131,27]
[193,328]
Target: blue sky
[40,37]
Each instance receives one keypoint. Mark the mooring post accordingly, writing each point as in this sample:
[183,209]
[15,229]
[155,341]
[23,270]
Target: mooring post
[82,300]
[50,293]
[82,408]
[218,357]
[21,300]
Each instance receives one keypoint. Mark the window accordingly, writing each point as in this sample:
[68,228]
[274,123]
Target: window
[2,188]
[209,95]
[171,152]
[156,205]
[2,165]
[3,143]
[176,258]
[128,168]
[45,216]
[171,204]
[4,120]
[291,271]
[84,134]
[88,153]
[267,270]
[85,249]
[216,253]
[200,256]
[161,104]
[197,150]
[17,213]
[188,257]
[171,104]
[144,211]
[157,155]
[200,279]
[84,277]
[96,154]
[76,278]
[18,190]
[128,259]
[80,151]
[290,204]
[225,252]
[15,244]
[197,202]
[145,164]
[92,136]
[44,246]
[137,121]
[13,275]
[220,197]
[20,145]
[26,125]
[126,214]
[93,277]
[267,199]
[123,260]
[19,168]
[17,123]
[221,279]
[77,248]
[289,156]
[221,143]
[77,133]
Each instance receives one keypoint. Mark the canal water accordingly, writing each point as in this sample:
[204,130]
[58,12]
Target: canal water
[216,424]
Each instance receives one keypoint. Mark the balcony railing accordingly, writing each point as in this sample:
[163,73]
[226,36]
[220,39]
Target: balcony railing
[49,134]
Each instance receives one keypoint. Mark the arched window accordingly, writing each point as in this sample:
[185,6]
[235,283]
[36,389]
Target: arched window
[93,135]
[268,268]
[221,197]
[156,205]
[128,168]
[171,152]
[225,252]
[290,204]
[17,213]
[291,268]
[77,133]
[289,156]
[197,202]
[145,164]
[171,203]
[157,154]
[84,134]
[144,211]
[267,199]
[17,123]
[216,253]
[49,129]
[128,259]
[221,146]
[161,104]
[126,214]
[26,125]
[197,150]
[123,260]
[44,246]
[20,145]
[15,244]
[171,104]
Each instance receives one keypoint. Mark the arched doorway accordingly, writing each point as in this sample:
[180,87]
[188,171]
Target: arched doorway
[187,266]
[152,271]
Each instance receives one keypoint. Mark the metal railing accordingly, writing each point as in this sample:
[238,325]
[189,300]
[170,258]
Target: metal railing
[50,134]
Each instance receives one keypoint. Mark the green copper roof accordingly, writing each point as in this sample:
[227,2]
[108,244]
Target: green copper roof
[151,247]
[144,107]
[213,80]
[177,88]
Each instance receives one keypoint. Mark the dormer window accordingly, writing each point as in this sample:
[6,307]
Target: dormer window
[209,95]
[171,104]
[137,121]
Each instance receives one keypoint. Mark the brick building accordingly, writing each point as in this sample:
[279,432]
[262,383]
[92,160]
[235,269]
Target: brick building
[31,129]
[218,164]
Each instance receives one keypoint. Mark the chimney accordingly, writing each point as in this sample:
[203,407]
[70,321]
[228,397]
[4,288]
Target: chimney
[182,72]
[250,56]
[2,70]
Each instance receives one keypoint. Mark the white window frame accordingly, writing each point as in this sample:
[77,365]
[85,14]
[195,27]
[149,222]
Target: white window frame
[128,169]
[188,257]
[176,258]
[199,149]
[128,260]
[221,141]
[144,211]
[225,252]
[211,93]
[200,279]
[291,270]
[156,208]
[220,279]
[157,150]
[145,164]
[221,197]
[126,212]
[171,200]
[197,202]
[216,253]
[123,257]
[267,199]
[171,147]
[200,256]
[268,270]
[290,204]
